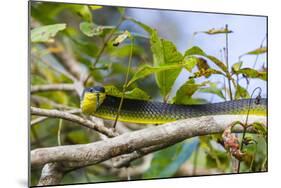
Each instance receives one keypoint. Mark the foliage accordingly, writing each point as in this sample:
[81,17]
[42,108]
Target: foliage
[92,37]
[166,162]
[46,33]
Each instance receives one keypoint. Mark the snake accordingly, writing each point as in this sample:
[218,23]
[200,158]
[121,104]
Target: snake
[95,101]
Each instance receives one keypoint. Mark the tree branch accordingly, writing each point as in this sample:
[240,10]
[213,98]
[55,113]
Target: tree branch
[126,143]
[51,174]
[39,100]
[41,119]
[73,118]
[52,87]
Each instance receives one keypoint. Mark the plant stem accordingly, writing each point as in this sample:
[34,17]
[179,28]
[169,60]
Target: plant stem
[246,126]
[59,132]
[126,81]
[195,159]
[226,61]
[103,48]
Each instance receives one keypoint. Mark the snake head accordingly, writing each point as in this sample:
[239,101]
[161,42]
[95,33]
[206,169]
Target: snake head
[92,98]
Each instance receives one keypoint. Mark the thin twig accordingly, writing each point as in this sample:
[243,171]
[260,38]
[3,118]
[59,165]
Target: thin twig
[226,61]
[125,83]
[41,119]
[52,87]
[105,43]
[39,100]
[245,127]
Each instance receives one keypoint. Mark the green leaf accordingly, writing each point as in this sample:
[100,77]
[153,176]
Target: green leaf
[185,92]
[83,11]
[136,93]
[236,66]
[112,90]
[125,50]
[121,38]
[165,163]
[46,33]
[147,28]
[91,29]
[190,62]
[148,70]
[252,73]
[121,10]
[257,51]
[213,89]
[198,51]
[95,7]
[241,92]
[78,137]
[215,158]
[165,53]
[260,128]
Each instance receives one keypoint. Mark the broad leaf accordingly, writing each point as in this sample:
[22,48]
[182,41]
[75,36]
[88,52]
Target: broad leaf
[136,93]
[83,11]
[166,162]
[46,33]
[241,92]
[142,25]
[190,62]
[236,66]
[113,91]
[252,73]
[185,92]
[198,51]
[258,51]
[213,89]
[165,53]
[260,128]
[91,29]
[147,70]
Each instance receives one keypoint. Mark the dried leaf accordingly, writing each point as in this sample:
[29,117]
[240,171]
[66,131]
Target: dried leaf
[121,38]
[231,143]
[198,51]
[214,31]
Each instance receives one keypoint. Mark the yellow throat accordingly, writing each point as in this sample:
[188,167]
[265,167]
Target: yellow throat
[91,101]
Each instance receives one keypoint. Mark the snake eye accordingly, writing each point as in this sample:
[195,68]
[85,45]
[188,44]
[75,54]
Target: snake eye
[99,89]
[91,90]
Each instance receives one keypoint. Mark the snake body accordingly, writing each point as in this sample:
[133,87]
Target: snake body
[139,111]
